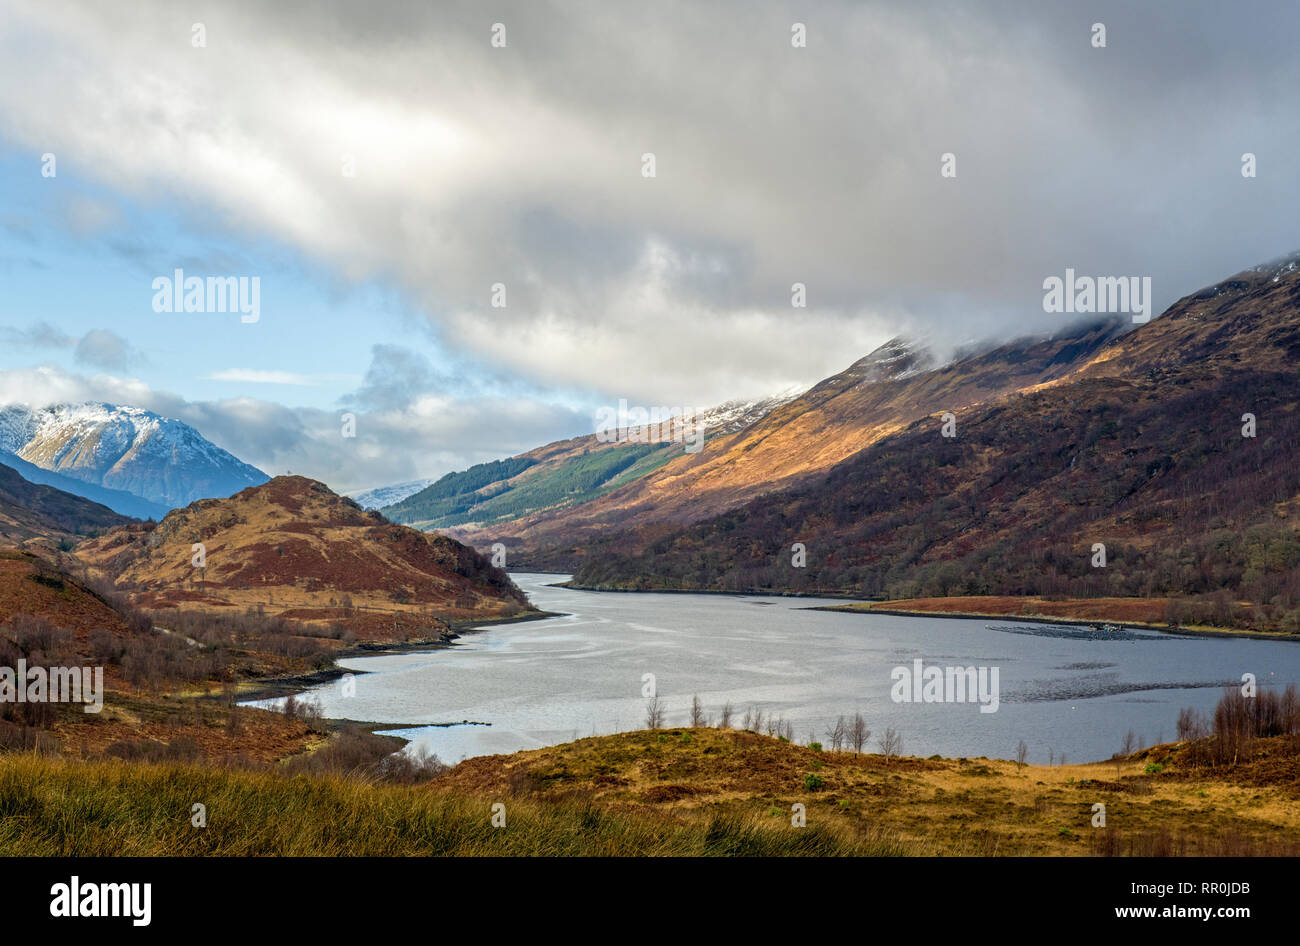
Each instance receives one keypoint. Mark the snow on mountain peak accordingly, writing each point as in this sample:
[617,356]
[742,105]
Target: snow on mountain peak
[127,448]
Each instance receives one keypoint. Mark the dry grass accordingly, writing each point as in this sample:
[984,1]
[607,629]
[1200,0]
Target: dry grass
[51,807]
[667,792]
[944,806]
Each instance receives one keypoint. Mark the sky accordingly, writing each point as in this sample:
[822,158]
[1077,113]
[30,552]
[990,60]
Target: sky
[384,168]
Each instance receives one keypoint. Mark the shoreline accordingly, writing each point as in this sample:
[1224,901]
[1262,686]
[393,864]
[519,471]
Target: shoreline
[867,606]
[1197,631]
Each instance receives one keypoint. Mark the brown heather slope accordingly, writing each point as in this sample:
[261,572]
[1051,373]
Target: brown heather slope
[1141,448]
[31,585]
[293,547]
[47,517]
[798,441]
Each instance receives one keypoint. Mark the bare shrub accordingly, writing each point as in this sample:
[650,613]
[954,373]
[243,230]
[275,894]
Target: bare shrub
[836,735]
[654,713]
[724,718]
[859,733]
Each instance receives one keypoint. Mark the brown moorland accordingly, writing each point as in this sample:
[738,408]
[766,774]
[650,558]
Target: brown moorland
[295,549]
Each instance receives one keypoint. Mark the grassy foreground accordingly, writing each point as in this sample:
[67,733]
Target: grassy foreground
[55,807]
[683,792]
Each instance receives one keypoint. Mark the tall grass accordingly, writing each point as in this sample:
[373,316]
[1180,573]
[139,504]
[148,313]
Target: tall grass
[58,807]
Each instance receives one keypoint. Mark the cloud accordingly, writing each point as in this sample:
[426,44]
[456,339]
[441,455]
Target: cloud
[98,348]
[398,377]
[255,376]
[431,436]
[522,166]
[37,335]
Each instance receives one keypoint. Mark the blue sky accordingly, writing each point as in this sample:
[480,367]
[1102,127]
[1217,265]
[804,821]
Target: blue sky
[80,258]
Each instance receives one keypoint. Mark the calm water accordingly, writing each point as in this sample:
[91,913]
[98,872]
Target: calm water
[538,683]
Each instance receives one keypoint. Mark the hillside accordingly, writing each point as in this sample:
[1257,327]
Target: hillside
[35,514]
[33,586]
[294,548]
[1140,447]
[119,501]
[124,449]
[796,440]
[492,498]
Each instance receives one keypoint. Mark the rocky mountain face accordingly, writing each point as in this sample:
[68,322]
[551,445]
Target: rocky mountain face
[107,447]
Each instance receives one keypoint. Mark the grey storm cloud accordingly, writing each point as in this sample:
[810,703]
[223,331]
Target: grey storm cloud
[521,165]
[398,376]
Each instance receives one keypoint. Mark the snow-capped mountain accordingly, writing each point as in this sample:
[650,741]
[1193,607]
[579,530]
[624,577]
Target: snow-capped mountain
[382,496]
[124,448]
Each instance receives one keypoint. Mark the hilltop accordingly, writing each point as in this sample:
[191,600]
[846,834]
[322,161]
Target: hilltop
[294,548]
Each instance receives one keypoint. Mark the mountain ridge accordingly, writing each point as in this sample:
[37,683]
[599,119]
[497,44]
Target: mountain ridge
[1173,445]
[161,460]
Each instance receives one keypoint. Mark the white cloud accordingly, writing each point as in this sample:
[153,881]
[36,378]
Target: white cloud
[435,435]
[256,376]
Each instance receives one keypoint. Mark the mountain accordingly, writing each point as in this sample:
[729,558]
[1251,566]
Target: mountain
[293,547]
[566,475]
[1175,445]
[30,512]
[127,504]
[126,449]
[794,441]
[388,495]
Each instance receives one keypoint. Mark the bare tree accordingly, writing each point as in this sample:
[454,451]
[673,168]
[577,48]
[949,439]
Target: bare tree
[697,712]
[1022,753]
[859,734]
[724,719]
[891,744]
[757,721]
[836,734]
[1130,744]
[654,713]
[744,720]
